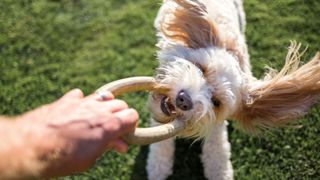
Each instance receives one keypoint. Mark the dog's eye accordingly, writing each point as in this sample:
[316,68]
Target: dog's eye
[215,102]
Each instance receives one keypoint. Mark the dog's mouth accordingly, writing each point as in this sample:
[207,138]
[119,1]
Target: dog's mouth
[167,107]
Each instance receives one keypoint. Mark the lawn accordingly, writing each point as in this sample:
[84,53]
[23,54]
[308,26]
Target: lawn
[48,47]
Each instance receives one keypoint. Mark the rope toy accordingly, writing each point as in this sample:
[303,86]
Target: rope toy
[142,136]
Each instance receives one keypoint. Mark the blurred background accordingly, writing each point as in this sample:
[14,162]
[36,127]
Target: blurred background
[48,47]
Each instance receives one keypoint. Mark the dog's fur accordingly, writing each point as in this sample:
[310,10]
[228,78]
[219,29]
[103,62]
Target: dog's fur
[202,50]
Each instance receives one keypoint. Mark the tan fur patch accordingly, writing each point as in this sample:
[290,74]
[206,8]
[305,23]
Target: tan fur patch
[190,25]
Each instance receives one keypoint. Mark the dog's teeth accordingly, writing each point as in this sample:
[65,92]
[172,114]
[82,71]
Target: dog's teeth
[164,107]
[167,107]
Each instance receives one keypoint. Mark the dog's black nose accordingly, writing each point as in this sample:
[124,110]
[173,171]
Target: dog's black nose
[184,101]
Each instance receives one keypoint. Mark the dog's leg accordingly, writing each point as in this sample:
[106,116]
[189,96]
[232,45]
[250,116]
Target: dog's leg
[160,159]
[216,154]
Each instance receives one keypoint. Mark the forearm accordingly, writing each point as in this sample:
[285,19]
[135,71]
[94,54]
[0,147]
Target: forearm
[18,151]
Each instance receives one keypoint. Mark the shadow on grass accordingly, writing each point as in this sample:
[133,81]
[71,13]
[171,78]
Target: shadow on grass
[187,163]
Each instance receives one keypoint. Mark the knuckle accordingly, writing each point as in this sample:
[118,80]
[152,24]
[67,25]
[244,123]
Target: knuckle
[133,116]
[112,124]
[97,134]
[122,103]
[78,91]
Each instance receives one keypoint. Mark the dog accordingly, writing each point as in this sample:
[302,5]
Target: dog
[204,62]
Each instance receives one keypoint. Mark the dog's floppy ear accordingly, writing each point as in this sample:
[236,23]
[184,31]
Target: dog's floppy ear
[281,98]
[190,25]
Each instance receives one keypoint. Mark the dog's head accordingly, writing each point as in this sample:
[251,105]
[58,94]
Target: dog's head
[201,93]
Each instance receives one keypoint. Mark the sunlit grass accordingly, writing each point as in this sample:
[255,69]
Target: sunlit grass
[50,46]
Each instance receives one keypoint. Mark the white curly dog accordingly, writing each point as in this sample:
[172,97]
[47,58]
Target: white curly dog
[204,62]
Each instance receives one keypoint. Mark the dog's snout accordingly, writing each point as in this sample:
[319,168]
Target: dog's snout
[184,101]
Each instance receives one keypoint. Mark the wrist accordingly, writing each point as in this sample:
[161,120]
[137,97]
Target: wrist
[17,156]
[41,146]
[25,147]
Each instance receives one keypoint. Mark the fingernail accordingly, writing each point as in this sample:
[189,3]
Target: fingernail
[121,150]
[121,146]
[104,95]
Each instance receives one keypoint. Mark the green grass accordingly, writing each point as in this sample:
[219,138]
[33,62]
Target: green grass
[50,46]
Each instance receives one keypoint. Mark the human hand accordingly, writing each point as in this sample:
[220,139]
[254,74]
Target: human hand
[75,130]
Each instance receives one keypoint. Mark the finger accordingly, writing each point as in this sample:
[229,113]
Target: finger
[101,96]
[120,146]
[128,119]
[75,93]
[114,105]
